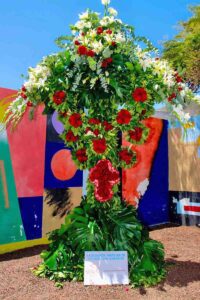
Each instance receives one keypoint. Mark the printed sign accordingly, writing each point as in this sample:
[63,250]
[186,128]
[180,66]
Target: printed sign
[106,268]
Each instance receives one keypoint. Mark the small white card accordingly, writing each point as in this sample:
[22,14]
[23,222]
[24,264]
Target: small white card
[106,267]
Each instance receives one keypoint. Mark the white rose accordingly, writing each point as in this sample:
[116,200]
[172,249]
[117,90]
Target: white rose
[105,2]
[112,11]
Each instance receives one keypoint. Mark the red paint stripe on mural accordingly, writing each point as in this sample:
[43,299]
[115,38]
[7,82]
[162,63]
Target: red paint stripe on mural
[192,208]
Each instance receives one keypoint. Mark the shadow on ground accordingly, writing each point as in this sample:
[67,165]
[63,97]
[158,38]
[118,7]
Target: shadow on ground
[28,252]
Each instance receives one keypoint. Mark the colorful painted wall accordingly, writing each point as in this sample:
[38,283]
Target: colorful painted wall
[39,182]
[184,179]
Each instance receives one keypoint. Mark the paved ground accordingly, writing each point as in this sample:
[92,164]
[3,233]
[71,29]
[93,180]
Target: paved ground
[182,245]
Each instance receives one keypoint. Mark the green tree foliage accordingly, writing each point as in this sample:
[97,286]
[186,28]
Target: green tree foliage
[183,51]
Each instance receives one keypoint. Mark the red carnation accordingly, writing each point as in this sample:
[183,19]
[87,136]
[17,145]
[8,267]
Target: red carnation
[23,95]
[23,88]
[136,134]
[139,94]
[126,156]
[90,53]
[94,121]
[109,31]
[88,129]
[29,103]
[99,145]
[107,126]
[99,30]
[70,137]
[58,97]
[109,60]
[123,117]
[96,132]
[178,78]
[106,62]
[82,50]
[75,120]
[77,43]
[171,97]
[81,155]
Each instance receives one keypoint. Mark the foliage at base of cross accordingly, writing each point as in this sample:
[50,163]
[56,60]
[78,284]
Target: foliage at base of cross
[94,229]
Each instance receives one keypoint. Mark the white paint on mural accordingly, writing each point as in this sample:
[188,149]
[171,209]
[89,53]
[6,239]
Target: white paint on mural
[142,187]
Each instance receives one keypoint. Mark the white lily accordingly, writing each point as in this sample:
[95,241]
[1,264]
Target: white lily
[105,2]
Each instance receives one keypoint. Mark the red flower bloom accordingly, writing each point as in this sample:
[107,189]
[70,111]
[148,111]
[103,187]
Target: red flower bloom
[90,53]
[99,30]
[23,95]
[70,137]
[126,156]
[75,120]
[123,117]
[106,62]
[96,132]
[178,78]
[94,121]
[104,176]
[171,97]
[136,134]
[29,103]
[77,43]
[107,126]
[58,97]
[114,44]
[109,31]
[99,145]
[88,129]
[82,50]
[139,94]
[81,155]
[180,88]
[109,60]
[23,88]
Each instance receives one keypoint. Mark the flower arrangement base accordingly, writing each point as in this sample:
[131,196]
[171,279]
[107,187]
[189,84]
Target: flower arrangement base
[94,229]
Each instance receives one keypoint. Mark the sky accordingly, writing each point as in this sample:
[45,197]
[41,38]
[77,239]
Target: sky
[28,28]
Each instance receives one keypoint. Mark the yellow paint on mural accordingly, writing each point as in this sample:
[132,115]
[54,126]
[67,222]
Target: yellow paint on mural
[22,245]
[4,103]
[51,222]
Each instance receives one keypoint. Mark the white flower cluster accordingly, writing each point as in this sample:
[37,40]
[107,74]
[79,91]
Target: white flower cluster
[37,77]
[182,116]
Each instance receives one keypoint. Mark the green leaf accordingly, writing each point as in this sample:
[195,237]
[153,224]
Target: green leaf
[92,63]
[129,66]
[114,84]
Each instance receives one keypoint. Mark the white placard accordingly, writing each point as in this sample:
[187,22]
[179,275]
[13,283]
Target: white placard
[106,267]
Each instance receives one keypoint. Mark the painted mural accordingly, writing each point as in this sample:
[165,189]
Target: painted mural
[39,182]
[184,184]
